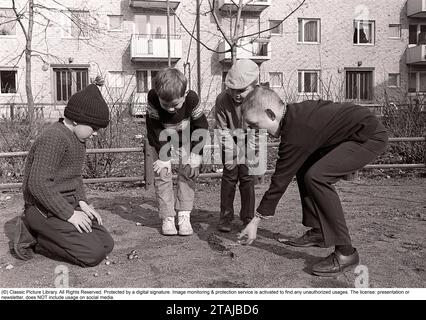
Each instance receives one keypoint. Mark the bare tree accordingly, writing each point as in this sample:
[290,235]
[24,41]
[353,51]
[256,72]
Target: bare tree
[42,14]
[234,37]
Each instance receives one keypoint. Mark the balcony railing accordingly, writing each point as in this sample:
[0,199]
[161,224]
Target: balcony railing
[258,50]
[416,8]
[149,47]
[249,5]
[153,3]
[417,55]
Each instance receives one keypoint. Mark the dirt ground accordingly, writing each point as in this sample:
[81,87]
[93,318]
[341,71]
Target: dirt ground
[386,217]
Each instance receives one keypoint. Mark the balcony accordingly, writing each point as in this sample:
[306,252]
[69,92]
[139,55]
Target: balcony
[154,4]
[416,8]
[148,47]
[417,55]
[258,50]
[249,5]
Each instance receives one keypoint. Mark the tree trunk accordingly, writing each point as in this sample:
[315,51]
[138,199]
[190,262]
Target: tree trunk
[234,53]
[28,52]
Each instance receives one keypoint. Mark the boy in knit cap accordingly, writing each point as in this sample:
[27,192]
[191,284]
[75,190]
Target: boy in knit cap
[321,142]
[57,220]
[175,118]
[241,79]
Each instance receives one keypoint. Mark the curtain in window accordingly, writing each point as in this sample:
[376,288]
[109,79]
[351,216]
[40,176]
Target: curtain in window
[422,82]
[311,31]
[311,82]
[412,82]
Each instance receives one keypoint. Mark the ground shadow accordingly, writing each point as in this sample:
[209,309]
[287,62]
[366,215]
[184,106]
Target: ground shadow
[213,237]
[138,209]
[204,222]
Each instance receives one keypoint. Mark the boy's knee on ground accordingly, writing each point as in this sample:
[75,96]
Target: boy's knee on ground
[95,254]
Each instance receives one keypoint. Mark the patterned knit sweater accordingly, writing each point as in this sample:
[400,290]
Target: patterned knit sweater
[53,170]
[189,116]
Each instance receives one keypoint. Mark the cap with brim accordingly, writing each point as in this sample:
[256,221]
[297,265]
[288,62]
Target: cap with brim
[243,73]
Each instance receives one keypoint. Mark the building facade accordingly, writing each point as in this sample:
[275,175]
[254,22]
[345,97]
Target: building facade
[363,51]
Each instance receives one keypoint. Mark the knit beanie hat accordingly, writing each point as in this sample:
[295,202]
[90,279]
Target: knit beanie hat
[243,73]
[88,107]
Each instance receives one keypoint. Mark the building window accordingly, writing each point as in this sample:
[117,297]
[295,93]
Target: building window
[308,81]
[394,80]
[115,23]
[69,81]
[309,30]
[417,81]
[364,32]
[417,34]
[359,85]
[8,81]
[7,22]
[144,80]
[76,24]
[276,79]
[395,31]
[153,25]
[277,27]
[116,79]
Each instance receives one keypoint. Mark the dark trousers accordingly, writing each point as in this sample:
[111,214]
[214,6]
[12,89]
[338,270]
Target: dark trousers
[62,240]
[230,178]
[320,202]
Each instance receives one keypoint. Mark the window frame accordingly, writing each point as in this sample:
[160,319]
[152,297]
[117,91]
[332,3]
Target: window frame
[14,35]
[73,88]
[359,70]
[113,76]
[121,22]
[67,26]
[302,84]
[419,26]
[149,78]
[398,80]
[148,25]
[302,20]
[417,91]
[399,30]
[281,79]
[16,81]
[280,26]
[373,42]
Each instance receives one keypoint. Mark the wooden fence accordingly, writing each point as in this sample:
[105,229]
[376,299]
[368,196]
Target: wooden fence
[148,176]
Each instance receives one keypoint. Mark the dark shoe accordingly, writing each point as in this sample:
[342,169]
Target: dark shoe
[335,264]
[23,242]
[309,239]
[224,226]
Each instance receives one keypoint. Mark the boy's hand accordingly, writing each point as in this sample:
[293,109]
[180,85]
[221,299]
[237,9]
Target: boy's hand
[195,163]
[160,165]
[90,211]
[81,221]
[250,232]
[252,162]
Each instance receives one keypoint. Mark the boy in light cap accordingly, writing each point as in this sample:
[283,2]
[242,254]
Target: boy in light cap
[241,79]
[57,221]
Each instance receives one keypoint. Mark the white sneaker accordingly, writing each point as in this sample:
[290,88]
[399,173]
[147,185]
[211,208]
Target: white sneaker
[184,223]
[168,228]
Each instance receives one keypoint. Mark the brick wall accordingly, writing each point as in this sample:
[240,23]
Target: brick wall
[109,51]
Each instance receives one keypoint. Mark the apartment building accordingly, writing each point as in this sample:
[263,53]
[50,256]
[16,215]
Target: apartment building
[364,51]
